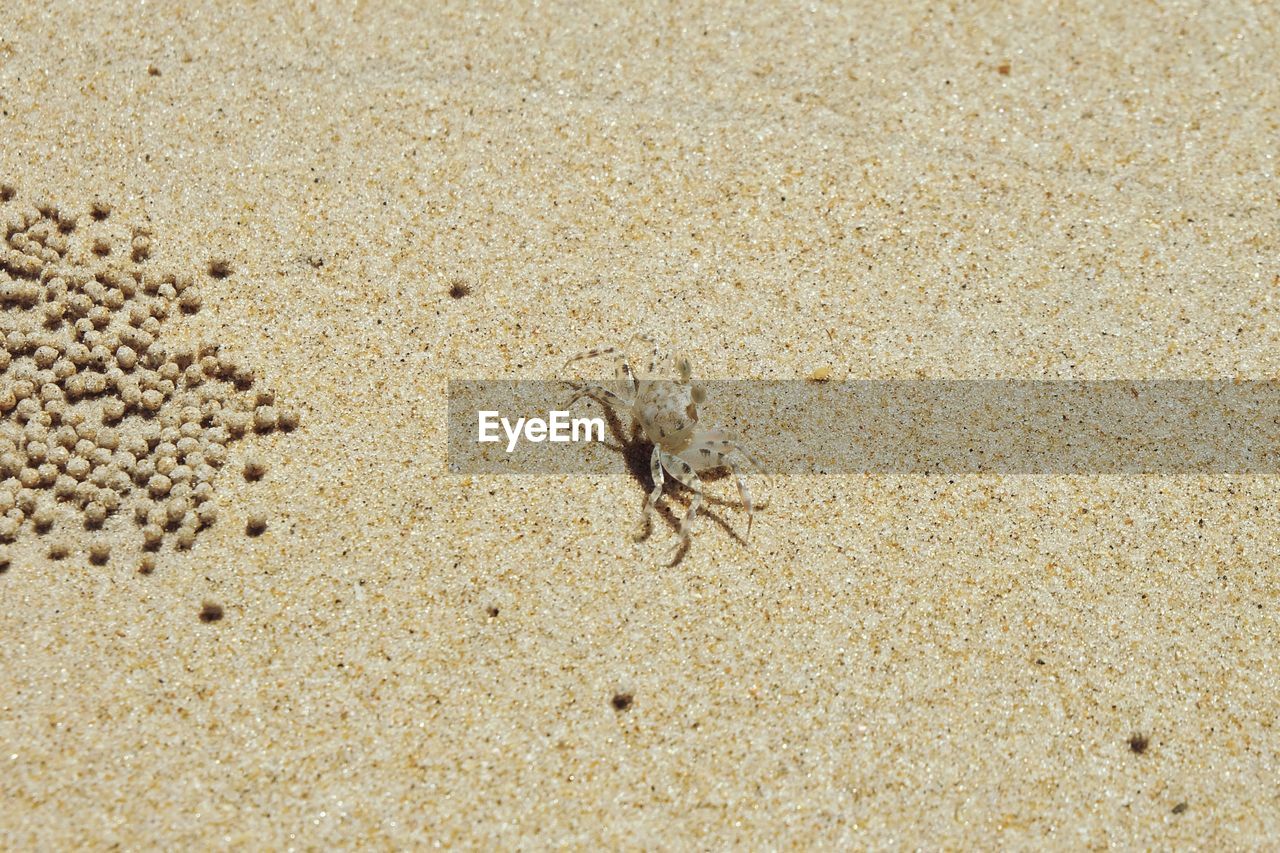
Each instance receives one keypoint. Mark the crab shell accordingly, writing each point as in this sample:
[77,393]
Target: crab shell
[668,412]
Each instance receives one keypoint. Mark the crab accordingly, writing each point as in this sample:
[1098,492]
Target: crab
[667,412]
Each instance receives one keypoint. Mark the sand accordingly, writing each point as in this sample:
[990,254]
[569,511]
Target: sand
[407,657]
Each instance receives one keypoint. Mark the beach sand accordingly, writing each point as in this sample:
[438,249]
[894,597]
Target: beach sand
[405,195]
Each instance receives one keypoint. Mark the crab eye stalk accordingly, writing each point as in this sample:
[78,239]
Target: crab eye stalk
[699,393]
[684,368]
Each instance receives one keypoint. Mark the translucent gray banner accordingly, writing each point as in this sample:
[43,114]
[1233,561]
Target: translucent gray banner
[897,426]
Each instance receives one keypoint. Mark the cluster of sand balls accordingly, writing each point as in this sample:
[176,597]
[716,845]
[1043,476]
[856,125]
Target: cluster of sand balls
[101,423]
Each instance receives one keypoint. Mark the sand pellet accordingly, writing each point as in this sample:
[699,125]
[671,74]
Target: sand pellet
[256,523]
[97,412]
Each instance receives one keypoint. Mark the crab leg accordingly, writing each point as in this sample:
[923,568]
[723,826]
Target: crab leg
[655,470]
[710,451]
[620,356]
[594,389]
[683,472]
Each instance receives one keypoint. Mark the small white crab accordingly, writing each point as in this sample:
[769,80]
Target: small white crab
[667,411]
